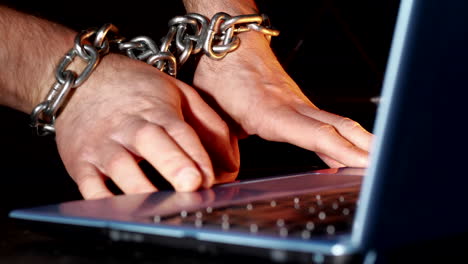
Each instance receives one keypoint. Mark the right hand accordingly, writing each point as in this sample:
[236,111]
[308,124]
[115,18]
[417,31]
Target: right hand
[128,111]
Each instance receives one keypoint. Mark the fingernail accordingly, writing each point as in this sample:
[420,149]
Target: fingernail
[188,179]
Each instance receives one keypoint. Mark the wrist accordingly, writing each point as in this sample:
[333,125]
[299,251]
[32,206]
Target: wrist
[28,64]
[253,54]
[46,76]
[67,78]
[209,8]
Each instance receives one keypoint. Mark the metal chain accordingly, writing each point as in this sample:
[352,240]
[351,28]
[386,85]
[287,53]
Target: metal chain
[193,33]
[43,115]
[187,35]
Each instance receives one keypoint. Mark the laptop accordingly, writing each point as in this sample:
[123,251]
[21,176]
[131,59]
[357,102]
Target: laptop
[408,195]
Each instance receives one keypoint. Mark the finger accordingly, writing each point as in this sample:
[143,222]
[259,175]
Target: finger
[91,182]
[348,128]
[153,144]
[329,161]
[188,140]
[287,125]
[224,176]
[214,133]
[123,169]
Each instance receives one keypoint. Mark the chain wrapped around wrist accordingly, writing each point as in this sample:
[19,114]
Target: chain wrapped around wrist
[187,35]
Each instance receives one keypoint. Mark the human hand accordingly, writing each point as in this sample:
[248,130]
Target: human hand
[253,88]
[128,111]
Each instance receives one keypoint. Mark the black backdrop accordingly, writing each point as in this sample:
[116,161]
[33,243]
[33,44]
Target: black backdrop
[335,50]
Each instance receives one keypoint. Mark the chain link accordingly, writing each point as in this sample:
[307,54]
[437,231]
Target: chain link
[187,35]
[43,115]
[193,33]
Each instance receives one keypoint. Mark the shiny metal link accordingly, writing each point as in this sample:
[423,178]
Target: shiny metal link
[102,41]
[187,35]
[58,96]
[44,114]
[162,58]
[139,48]
[202,27]
[92,61]
[192,34]
[224,29]
[42,128]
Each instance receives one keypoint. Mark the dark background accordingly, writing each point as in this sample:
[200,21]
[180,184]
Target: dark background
[335,50]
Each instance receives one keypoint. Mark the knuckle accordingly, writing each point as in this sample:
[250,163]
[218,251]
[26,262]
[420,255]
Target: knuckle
[144,131]
[113,162]
[326,129]
[348,123]
[173,162]
[178,129]
[324,132]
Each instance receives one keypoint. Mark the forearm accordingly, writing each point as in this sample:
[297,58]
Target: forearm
[30,49]
[209,7]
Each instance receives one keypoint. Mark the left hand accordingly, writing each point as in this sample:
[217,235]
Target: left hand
[128,111]
[251,86]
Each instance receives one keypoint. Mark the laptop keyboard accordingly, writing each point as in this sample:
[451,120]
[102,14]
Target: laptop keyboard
[300,216]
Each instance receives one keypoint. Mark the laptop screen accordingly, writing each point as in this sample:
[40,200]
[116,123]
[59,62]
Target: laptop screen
[410,193]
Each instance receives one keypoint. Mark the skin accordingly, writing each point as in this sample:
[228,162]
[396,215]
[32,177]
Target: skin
[252,75]
[142,113]
[128,111]
[125,112]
